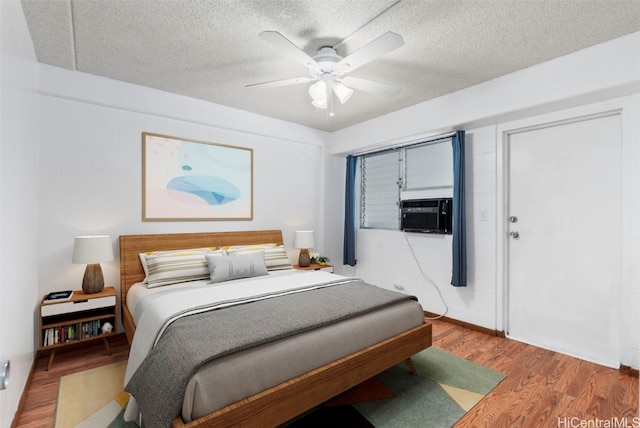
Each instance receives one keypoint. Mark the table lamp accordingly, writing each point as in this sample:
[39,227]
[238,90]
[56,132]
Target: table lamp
[92,250]
[303,239]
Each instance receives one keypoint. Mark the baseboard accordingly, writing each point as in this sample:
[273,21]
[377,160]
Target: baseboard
[23,395]
[629,371]
[464,324]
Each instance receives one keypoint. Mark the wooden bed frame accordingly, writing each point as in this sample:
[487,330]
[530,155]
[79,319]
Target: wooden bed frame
[283,402]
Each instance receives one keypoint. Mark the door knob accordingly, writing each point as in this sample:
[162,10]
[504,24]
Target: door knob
[514,234]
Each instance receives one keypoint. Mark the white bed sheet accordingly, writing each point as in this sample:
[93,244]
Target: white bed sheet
[139,290]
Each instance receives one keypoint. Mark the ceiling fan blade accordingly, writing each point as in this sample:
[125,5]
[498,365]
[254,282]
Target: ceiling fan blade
[375,48]
[283,44]
[372,86]
[285,82]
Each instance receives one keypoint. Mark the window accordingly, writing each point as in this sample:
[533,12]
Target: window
[428,166]
[380,190]
[388,175]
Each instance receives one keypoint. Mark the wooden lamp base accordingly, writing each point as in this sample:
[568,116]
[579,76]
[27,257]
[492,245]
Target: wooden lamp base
[304,260]
[93,280]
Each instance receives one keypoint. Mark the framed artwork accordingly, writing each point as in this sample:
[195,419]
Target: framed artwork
[195,180]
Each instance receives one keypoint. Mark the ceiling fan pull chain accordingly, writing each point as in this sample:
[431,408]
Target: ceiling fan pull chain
[330,96]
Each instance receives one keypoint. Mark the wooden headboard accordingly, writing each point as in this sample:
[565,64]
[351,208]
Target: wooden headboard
[132,245]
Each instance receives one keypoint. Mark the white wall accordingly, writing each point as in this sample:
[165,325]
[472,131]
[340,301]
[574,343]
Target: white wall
[333,210]
[582,78]
[18,203]
[91,158]
[631,275]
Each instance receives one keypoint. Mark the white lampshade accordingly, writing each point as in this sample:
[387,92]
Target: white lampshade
[92,249]
[318,91]
[342,92]
[321,104]
[303,239]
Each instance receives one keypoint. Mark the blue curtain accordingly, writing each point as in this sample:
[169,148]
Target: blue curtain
[349,249]
[459,245]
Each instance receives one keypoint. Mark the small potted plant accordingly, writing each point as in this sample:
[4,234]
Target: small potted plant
[317,258]
[322,260]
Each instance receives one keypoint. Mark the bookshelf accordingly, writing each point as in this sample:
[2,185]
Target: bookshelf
[76,320]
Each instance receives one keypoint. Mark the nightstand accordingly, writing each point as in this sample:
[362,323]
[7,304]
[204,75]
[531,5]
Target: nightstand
[76,320]
[315,266]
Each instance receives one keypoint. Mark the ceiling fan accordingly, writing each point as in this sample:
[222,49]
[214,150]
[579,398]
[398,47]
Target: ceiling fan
[328,69]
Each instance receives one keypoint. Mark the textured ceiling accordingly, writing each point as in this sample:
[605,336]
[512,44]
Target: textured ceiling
[211,50]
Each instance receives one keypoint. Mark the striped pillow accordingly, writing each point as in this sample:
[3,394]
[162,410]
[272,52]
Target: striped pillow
[172,269]
[184,252]
[275,256]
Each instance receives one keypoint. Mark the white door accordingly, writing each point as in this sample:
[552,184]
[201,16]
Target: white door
[564,268]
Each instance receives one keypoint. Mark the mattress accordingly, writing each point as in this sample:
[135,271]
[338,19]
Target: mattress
[234,377]
[231,378]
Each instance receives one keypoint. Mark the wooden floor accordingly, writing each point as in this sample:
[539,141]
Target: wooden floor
[542,388]
[40,403]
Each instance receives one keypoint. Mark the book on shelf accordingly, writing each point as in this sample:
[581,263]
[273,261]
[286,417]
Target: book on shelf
[58,296]
[62,334]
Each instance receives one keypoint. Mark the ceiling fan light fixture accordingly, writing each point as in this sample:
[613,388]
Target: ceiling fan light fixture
[318,91]
[342,92]
[320,103]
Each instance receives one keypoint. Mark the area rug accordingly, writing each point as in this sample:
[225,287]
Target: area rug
[92,398]
[444,390]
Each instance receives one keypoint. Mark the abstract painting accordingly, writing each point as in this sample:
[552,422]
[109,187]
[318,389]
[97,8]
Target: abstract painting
[194,180]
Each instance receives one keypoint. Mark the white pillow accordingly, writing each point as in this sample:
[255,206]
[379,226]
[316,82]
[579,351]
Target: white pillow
[241,266]
[172,269]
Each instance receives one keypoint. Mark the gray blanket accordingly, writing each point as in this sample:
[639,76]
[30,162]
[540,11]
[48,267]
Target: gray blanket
[190,342]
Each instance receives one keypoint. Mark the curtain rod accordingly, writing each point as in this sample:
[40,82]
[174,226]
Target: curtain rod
[417,141]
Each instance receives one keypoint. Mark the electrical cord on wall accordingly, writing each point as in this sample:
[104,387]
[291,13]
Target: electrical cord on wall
[429,280]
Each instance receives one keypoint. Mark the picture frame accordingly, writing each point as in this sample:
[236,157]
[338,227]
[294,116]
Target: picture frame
[184,179]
